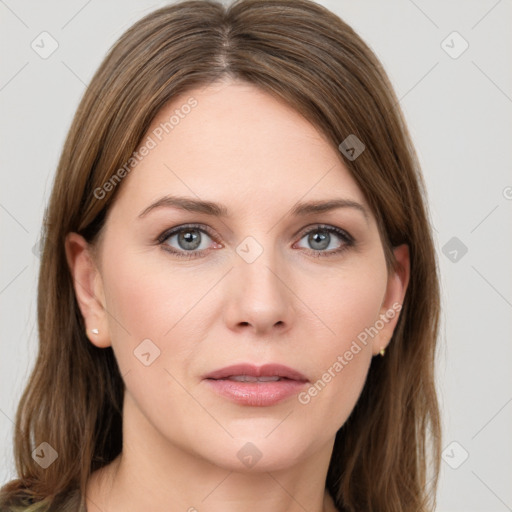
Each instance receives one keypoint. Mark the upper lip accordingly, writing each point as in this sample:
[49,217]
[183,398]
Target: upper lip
[267,370]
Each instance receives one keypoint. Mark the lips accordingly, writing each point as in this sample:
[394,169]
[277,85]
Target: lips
[256,386]
[250,373]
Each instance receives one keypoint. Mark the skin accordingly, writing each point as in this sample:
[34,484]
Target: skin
[250,152]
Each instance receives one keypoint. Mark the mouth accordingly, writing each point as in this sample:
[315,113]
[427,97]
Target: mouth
[250,378]
[257,386]
[246,372]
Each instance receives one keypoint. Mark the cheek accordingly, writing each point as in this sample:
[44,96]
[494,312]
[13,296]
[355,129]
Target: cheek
[349,299]
[151,329]
[145,303]
[150,296]
[350,307]
[168,306]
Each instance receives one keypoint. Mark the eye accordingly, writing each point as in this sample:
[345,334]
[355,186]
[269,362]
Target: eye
[189,241]
[322,240]
[194,240]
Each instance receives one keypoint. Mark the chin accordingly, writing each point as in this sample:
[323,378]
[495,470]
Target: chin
[255,454]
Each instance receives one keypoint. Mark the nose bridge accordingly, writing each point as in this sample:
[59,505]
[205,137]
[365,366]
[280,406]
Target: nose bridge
[259,265]
[261,295]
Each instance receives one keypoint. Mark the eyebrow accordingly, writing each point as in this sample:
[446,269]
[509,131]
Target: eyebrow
[219,210]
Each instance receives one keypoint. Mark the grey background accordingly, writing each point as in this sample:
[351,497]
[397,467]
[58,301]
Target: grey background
[459,114]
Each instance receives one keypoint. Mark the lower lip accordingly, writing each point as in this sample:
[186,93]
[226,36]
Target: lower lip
[256,394]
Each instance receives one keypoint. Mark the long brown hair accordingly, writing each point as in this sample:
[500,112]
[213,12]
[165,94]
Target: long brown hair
[386,456]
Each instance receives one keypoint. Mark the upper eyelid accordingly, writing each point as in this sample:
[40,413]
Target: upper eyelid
[173,231]
[328,227]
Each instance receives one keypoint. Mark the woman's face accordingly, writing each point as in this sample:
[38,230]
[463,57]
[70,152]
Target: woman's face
[181,292]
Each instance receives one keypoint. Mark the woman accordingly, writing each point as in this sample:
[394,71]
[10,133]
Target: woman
[238,298]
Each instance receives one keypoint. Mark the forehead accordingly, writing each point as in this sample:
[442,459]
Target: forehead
[236,144]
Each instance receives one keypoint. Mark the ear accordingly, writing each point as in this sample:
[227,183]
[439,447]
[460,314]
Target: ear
[393,300]
[88,287]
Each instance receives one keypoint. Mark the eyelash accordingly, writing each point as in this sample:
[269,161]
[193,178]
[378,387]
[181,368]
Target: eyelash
[343,235]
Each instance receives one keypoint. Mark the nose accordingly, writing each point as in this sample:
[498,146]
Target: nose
[260,297]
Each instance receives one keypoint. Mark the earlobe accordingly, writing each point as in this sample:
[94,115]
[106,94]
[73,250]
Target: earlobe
[398,280]
[88,288]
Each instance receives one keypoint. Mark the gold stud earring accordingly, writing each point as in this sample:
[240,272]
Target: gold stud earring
[95,331]
[382,352]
